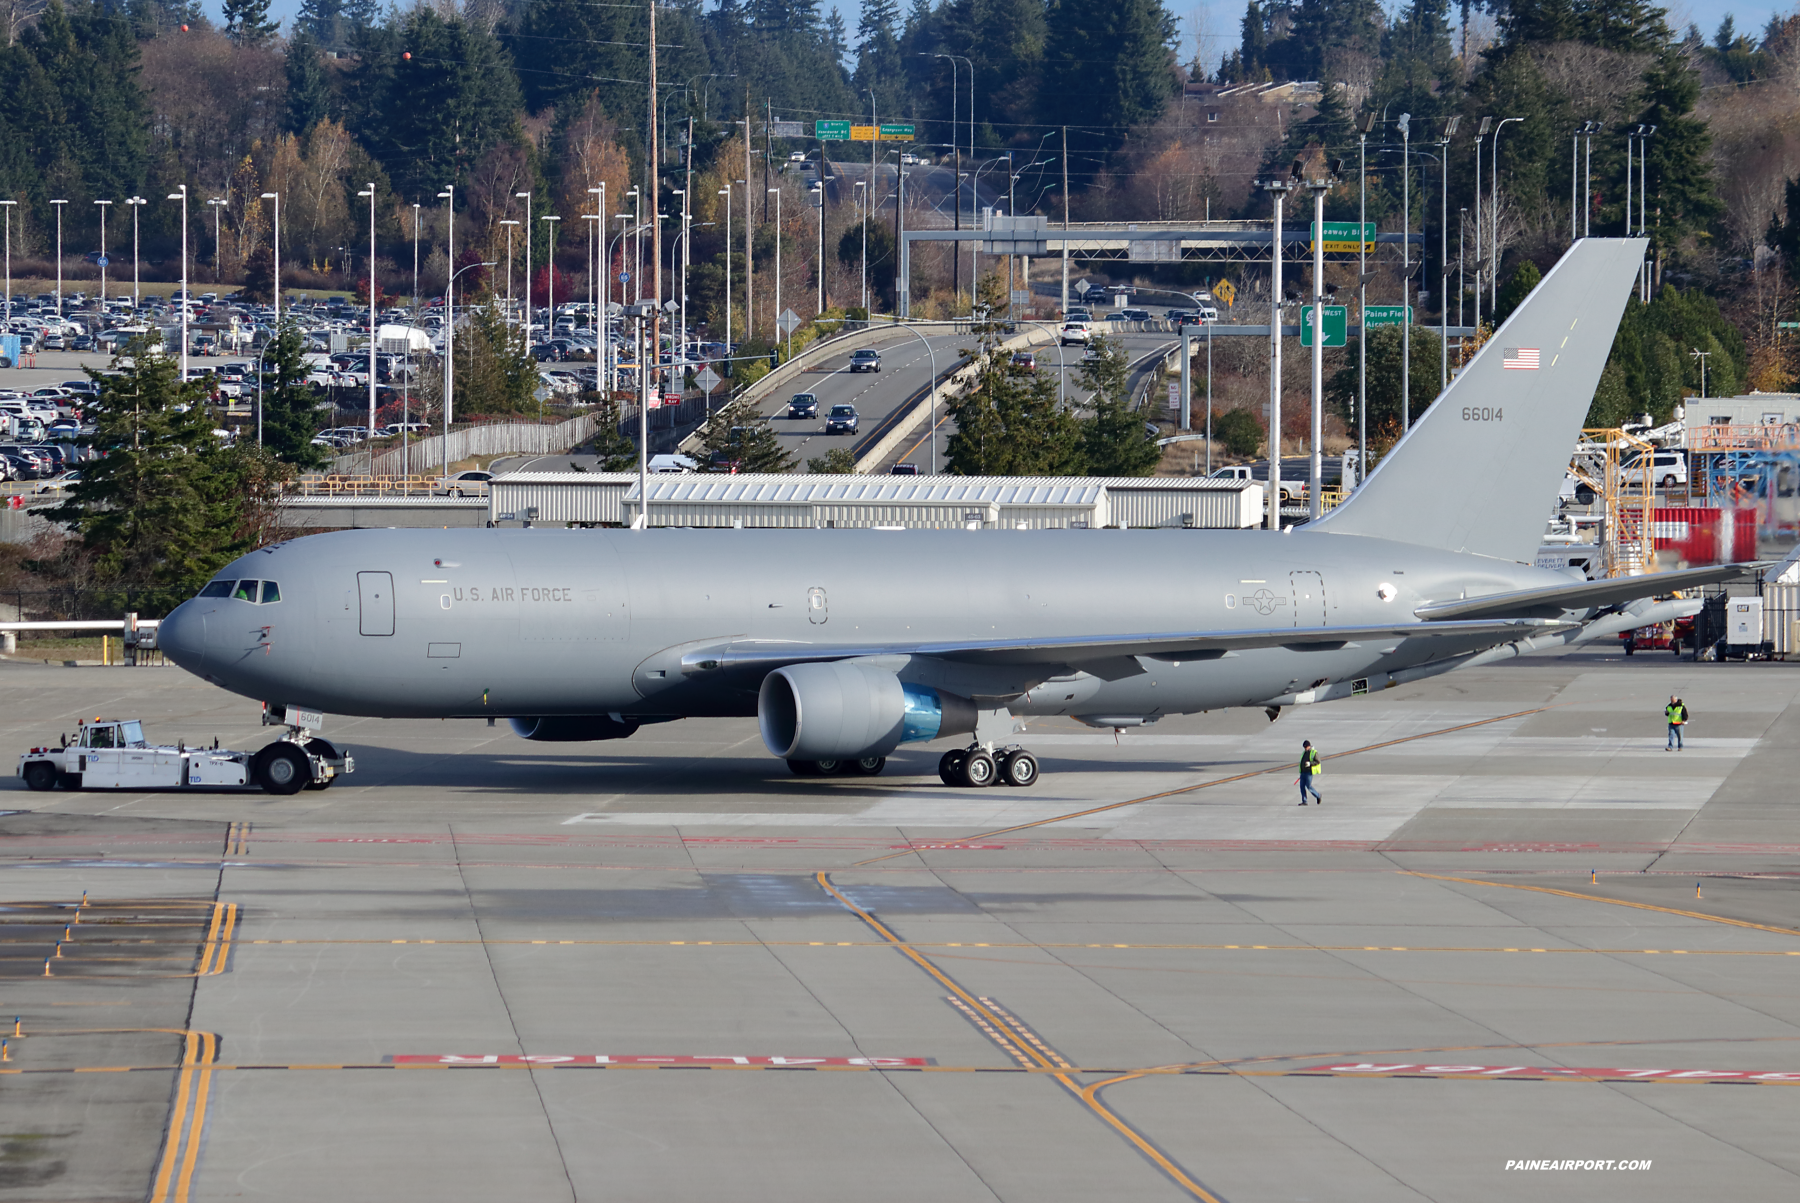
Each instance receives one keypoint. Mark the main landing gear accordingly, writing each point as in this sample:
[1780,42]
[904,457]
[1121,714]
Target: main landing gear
[868,766]
[977,767]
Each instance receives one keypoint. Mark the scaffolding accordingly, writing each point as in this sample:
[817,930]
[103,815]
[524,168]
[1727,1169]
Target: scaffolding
[1618,467]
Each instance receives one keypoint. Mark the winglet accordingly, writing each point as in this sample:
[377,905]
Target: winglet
[1480,470]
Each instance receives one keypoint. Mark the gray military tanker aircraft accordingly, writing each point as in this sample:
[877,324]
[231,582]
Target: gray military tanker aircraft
[846,644]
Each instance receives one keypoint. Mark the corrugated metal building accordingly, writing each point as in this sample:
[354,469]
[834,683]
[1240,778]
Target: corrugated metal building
[934,502]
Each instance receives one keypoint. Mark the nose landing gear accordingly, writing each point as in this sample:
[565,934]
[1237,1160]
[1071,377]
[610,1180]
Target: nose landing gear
[977,767]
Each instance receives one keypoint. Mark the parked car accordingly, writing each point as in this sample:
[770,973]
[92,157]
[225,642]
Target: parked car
[467,484]
[842,420]
[803,405]
[866,360]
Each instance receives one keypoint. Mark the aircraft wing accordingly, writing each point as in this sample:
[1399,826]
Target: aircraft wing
[1076,651]
[1556,599]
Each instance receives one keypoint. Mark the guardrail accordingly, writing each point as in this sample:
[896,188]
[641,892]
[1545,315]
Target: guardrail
[347,485]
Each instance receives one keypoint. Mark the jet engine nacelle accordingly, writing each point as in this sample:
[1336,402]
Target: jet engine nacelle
[843,710]
[572,728]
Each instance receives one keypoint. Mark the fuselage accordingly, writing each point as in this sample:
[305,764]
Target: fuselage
[499,623]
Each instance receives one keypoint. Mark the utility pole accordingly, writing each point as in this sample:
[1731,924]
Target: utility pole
[1065,245]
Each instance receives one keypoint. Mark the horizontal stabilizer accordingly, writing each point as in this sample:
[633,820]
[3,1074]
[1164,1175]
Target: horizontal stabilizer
[1557,599]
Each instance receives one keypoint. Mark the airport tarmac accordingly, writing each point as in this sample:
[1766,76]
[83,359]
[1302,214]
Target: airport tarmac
[1517,931]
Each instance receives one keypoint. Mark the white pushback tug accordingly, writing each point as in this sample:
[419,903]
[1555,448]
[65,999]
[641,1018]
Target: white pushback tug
[113,754]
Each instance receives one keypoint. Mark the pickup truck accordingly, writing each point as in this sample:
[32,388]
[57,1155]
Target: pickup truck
[113,754]
[1293,492]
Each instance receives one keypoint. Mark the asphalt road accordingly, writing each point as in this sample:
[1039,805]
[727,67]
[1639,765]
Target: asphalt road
[486,969]
[1141,348]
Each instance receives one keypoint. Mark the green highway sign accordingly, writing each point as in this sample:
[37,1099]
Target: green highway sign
[1385,315]
[1334,325]
[1778,325]
[831,131]
[1341,235]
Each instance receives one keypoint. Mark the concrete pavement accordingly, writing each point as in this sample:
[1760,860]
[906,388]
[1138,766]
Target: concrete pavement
[1206,993]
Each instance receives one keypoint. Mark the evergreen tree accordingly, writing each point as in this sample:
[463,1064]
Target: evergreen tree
[309,99]
[166,506]
[1114,440]
[1525,277]
[323,22]
[290,406]
[431,117]
[1686,196]
[1132,38]
[1010,424]
[1384,381]
[495,370]
[738,438]
[247,22]
[839,461]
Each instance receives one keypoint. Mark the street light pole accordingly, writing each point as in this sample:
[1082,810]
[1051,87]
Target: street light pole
[59,204]
[1444,255]
[726,193]
[1277,190]
[1364,124]
[819,266]
[509,223]
[104,210]
[596,234]
[136,203]
[448,196]
[1405,124]
[1494,242]
[550,219]
[1319,182]
[862,209]
[275,255]
[8,205]
[217,205]
[526,197]
[181,196]
[370,193]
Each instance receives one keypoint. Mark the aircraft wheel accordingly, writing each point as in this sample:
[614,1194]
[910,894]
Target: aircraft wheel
[978,768]
[804,768]
[869,766]
[950,766]
[41,775]
[1020,768]
[281,768]
[830,768]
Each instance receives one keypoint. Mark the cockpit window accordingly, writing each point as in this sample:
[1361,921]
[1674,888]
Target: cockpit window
[271,592]
[217,589]
[99,737]
[131,735]
[245,591]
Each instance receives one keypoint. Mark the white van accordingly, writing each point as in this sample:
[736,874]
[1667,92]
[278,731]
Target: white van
[1668,468]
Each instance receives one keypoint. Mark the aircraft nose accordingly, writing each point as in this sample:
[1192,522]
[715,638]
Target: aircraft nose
[182,637]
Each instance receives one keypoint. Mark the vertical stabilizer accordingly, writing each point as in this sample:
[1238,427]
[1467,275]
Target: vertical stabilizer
[1480,470]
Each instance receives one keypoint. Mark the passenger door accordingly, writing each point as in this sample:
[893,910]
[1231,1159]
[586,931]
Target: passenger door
[1309,598]
[375,594]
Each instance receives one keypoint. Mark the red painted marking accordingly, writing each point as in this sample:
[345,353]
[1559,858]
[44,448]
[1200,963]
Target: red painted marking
[1374,1069]
[633,1059]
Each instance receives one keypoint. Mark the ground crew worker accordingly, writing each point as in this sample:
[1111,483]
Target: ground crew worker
[1310,766]
[1676,712]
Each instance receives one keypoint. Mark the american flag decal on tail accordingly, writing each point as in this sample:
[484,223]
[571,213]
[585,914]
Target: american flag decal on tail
[1523,358]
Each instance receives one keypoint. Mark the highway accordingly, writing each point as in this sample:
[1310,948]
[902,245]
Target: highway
[1143,350]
